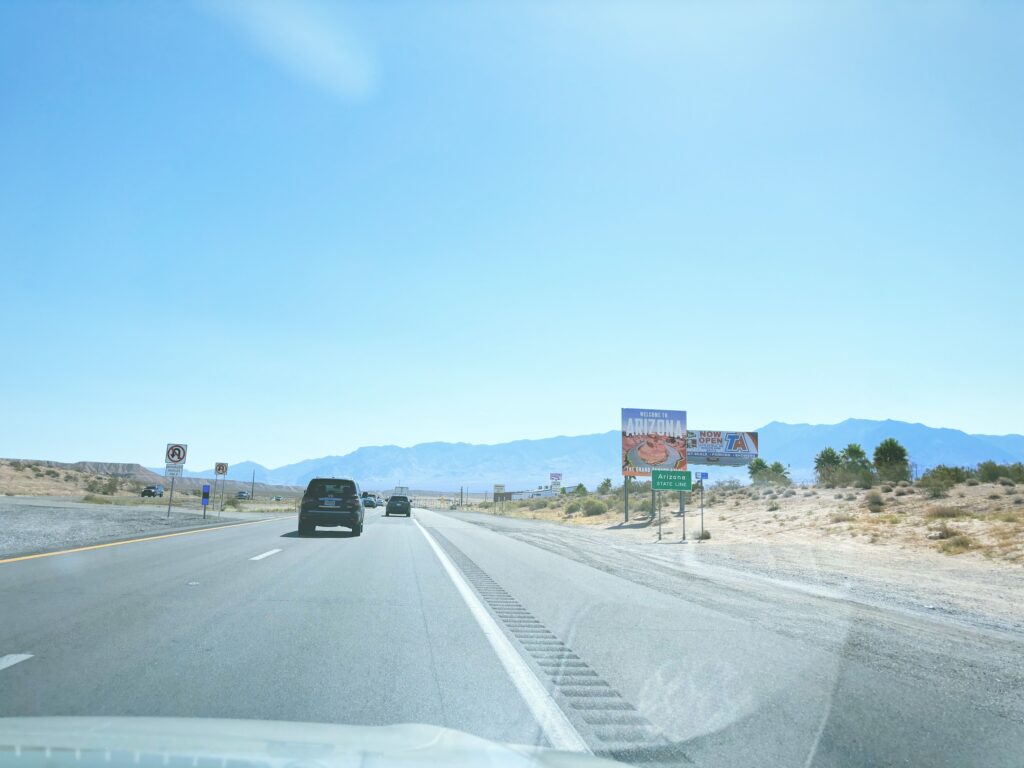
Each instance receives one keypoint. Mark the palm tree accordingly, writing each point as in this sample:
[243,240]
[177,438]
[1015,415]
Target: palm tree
[891,460]
[826,465]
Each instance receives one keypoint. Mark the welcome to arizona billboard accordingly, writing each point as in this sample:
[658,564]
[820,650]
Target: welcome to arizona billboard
[652,439]
[726,449]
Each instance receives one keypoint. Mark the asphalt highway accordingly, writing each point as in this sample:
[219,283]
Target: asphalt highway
[504,629]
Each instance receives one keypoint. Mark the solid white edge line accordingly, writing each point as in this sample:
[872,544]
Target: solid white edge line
[552,720]
[13,658]
[265,554]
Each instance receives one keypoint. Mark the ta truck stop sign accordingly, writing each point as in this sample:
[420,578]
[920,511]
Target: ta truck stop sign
[671,480]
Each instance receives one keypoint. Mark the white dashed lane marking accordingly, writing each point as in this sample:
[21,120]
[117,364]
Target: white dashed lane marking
[265,554]
[13,658]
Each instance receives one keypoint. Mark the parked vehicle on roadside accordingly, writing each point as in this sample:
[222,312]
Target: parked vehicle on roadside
[153,490]
[243,495]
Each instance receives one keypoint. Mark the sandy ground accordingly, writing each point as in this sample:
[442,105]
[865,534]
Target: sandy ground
[828,538]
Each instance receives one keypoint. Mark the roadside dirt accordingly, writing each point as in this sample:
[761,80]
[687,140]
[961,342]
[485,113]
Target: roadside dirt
[829,538]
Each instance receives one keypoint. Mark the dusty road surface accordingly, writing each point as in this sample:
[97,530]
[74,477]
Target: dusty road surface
[514,630]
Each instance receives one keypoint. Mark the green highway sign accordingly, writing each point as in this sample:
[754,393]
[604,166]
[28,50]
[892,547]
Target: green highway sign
[671,480]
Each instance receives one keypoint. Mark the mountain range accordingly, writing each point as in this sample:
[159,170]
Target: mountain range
[524,464]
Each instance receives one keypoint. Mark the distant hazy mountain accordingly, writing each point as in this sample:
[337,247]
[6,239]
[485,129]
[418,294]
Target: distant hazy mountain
[588,459]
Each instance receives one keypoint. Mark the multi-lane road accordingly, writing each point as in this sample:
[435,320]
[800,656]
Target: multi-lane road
[512,630]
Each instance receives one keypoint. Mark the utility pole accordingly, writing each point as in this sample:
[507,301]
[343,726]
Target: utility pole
[252,486]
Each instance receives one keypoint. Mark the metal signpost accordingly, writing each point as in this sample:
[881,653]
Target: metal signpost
[671,480]
[174,457]
[702,476]
[206,498]
[220,470]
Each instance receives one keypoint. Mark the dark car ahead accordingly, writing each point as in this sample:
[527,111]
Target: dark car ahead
[398,505]
[153,490]
[331,501]
[369,500]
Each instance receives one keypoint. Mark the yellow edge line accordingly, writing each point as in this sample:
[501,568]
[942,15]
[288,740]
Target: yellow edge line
[134,541]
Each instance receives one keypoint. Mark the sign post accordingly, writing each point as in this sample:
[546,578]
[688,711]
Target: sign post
[174,457]
[220,470]
[701,477]
[670,480]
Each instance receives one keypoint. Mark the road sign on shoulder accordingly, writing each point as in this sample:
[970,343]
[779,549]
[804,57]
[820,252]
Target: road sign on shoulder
[700,475]
[206,494]
[221,468]
[176,453]
[172,470]
[671,480]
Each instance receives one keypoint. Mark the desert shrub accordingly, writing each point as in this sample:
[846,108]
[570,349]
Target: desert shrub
[972,481]
[1008,517]
[838,496]
[1002,481]
[954,545]
[849,497]
[17,466]
[773,506]
[874,501]
[486,504]
[935,486]
[789,492]
[944,512]
[592,507]
[1019,500]
[941,532]
[52,473]
[903,484]
[841,517]
[1011,491]
[863,481]
[993,496]
[572,507]
[536,504]
[886,489]
[92,498]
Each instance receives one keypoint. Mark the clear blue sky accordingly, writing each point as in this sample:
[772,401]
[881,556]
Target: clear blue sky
[279,231]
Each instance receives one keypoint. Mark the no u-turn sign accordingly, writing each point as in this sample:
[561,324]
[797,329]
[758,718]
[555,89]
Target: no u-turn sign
[176,453]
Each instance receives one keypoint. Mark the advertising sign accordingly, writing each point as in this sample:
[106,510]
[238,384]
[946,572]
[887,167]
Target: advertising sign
[671,480]
[725,449]
[556,481]
[652,439]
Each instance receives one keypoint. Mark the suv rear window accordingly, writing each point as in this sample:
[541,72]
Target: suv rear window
[399,498]
[344,489]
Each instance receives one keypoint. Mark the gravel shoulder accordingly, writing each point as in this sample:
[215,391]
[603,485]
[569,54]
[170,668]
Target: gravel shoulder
[29,525]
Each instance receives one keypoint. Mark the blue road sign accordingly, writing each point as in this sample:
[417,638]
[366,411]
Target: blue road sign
[206,495]
[701,475]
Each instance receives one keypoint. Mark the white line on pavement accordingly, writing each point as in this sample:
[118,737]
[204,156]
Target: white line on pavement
[13,658]
[556,726]
[265,554]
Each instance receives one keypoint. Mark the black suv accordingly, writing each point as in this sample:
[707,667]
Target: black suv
[398,505]
[330,501]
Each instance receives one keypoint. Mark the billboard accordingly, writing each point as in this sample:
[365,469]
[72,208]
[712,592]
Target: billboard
[652,439]
[724,449]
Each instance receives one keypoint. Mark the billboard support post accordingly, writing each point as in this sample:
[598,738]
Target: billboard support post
[702,509]
[682,513]
[625,497]
[652,504]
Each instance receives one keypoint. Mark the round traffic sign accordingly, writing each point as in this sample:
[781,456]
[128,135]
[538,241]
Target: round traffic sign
[176,453]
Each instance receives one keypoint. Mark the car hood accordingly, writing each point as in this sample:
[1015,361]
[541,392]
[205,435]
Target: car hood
[126,742]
